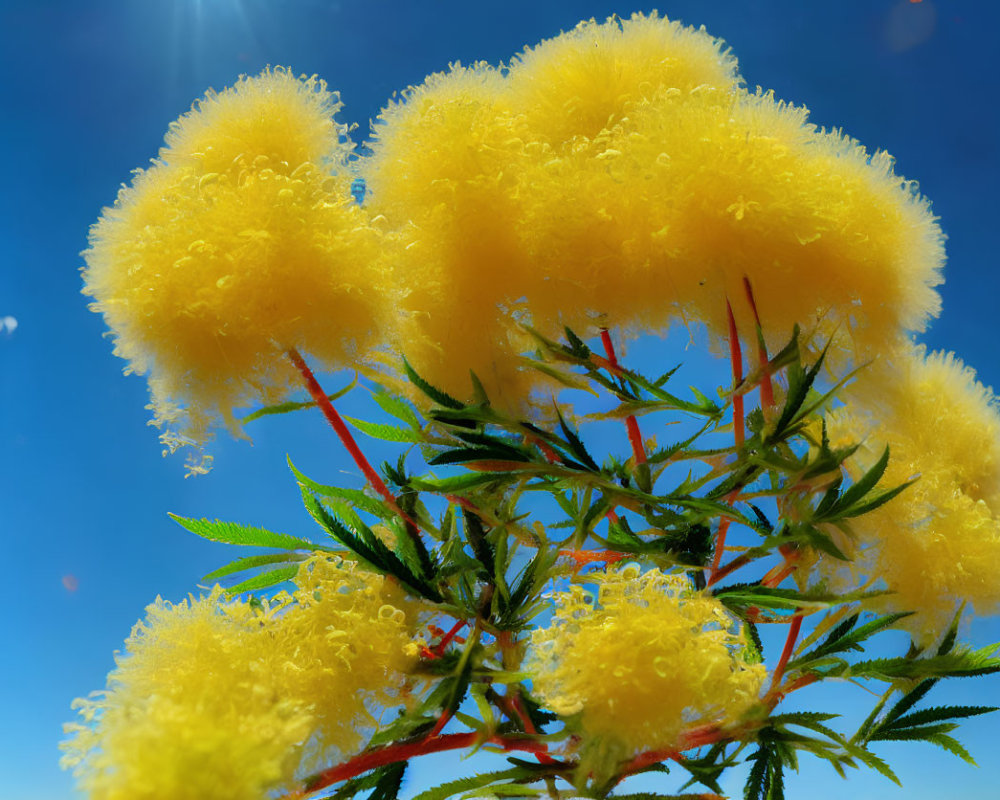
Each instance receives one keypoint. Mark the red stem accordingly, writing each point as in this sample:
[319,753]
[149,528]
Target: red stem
[736,360]
[550,455]
[446,639]
[766,387]
[582,557]
[529,726]
[786,653]
[337,423]
[439,725]
[392,753]
[717,573]
[634,435]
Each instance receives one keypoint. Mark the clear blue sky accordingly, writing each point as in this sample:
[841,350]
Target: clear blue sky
[88,91]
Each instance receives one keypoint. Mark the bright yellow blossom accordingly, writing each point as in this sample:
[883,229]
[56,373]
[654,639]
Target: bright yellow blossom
[664,214]
[576,85]
[443,172]
[214,699]
[240,242]
[647,660]
[938,544]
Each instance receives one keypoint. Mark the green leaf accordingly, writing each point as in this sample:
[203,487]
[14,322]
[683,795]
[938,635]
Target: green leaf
[936,714]
[264,580]
[435,394]
[455,483]
[452,788]
[242,564]
[920,733]
[843,638]
[284,408]
[389,781]
[953,746]
[904,704]
[355,497]
[397,407]
[575,443]
[959,663]
[387,433]
[463,455]
[370,549]
[233,533]
[866,482]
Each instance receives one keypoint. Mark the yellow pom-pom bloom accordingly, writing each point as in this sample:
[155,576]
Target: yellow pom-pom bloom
[242,241]
[648,660]
[582,82]
[668,212]
[214,699]
[938,543]
[443,173]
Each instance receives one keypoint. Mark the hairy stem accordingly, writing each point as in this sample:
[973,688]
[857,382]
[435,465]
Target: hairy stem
[766,387]
[786,653]
[634,435]
[403,751]
[339,427]
[736,361]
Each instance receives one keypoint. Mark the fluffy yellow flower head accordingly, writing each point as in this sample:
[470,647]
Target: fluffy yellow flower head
[240,242]
[583,81]
[443,173]
[668,211]
[649,659]
[214,699]
[937,544]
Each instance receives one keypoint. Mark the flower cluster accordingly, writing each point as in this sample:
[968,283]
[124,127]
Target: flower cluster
[939,549]
[618,175]
[647,660]
[239,242]
[217,698]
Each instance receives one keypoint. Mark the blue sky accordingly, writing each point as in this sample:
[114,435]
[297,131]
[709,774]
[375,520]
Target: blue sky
[88,92]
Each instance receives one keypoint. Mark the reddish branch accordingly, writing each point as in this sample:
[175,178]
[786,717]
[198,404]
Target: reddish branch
[529,726]
[736,361]
[786,653]
[390,754]
[584,557]
[438,650]
[766,388]
[342,431]
[634,436]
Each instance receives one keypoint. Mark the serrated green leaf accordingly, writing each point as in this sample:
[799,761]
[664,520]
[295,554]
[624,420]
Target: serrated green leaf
[919,733]
[845,637]
[453,484]
[285,408]
[452,788]
[437,395]
[575,443]
[397,407]
[264,580]
[959,663]
[243,564]
[953,746]
[389,781]
[355,497]
[866,482]
[387,433]
[936,714]
[372,549]
[244,535]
